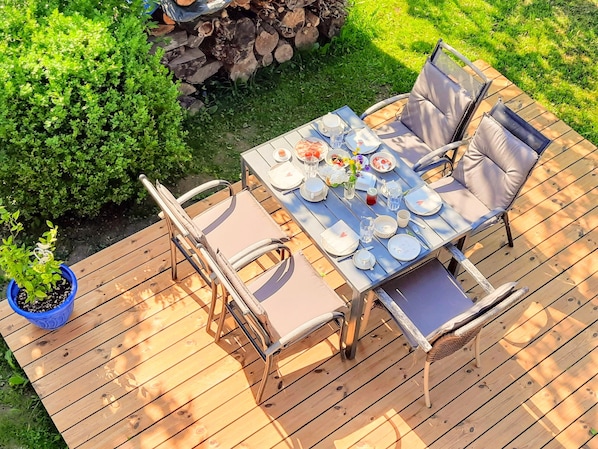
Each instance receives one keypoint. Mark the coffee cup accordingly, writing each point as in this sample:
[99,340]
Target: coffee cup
[314,187]
[403,217]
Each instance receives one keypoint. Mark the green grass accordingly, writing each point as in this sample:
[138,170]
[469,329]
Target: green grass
[547,47]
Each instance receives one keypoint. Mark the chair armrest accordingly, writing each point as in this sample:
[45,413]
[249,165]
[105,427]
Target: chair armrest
[255,251]
[382,104]
[488,216]
[425,163]
[304,330]
[470,268]
[403,320]
[203,187]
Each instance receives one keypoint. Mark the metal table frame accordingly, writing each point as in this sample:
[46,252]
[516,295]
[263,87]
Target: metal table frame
[313,218]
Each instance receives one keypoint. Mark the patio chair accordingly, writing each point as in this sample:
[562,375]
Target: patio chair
[433,122]
[492,171]
[278,308]
[436,315]
[235,223]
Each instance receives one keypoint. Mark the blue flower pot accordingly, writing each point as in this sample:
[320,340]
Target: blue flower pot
[52,319]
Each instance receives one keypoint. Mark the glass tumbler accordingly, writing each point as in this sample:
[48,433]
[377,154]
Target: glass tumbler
[366,229]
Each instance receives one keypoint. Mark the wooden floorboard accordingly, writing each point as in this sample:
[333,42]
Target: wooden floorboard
[135,368]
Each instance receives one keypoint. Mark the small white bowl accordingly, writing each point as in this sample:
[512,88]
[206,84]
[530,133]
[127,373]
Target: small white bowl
[385,226]
[383,162]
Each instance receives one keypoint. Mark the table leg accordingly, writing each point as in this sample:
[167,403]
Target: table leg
[354,326]
[369,305]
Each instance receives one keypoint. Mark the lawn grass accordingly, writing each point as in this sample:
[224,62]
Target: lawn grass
[547,47]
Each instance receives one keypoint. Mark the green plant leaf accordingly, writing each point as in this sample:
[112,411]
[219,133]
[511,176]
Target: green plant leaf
[17,379]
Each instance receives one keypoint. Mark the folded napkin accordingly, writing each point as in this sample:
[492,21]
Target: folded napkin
[285,176]
[339,238]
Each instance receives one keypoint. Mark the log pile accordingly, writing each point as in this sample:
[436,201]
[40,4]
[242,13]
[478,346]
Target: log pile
[244,36]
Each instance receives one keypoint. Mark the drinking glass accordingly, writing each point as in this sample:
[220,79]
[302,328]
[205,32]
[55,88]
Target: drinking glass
[310,165]
[366,229]
[394,198]
[336,137]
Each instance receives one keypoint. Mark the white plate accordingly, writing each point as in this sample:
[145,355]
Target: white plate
[404,247]
[325,131]
[346,252]
[311,143]
[320,197]
[423,201]
[364,139]
[339,239]
[285,176]
[281,155]
[383,162]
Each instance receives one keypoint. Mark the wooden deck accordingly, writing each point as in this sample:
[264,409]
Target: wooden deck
[134,367]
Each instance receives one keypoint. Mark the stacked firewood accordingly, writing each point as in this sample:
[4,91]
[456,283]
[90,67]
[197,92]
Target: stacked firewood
[244,36]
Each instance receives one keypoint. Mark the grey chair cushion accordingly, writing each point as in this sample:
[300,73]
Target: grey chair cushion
[495,165]
[400,139]
[459,198]
[435,107]
[434,301]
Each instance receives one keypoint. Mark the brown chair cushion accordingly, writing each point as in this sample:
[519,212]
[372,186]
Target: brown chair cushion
[436,107]
[459,198]
[495,165]
[400,139]
[236,223]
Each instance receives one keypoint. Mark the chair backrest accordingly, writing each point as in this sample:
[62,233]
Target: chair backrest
[251,309]
[519,127]
[464,328]
[497,162]
[444,97]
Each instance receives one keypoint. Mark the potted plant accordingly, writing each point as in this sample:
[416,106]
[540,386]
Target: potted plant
[42,289]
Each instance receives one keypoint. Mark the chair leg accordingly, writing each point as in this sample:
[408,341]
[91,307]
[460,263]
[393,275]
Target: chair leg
[427,384]
[505,218]
[214,287]
[222,316]
[267,368]
[478,361]
[453,264]
[173,264]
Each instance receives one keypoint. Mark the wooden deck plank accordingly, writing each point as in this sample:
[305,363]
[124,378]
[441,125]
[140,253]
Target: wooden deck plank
[134,368]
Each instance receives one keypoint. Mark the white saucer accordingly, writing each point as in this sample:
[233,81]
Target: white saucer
[315,199]
[404,247]
[369,262]
[281,155]
[325,131]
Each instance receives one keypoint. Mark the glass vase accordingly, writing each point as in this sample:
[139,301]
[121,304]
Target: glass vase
[349,190]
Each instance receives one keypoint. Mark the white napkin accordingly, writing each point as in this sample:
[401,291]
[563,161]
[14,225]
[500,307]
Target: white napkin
[339,238]
[285,176]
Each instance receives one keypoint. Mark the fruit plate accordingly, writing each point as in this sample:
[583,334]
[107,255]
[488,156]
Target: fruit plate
[311,146]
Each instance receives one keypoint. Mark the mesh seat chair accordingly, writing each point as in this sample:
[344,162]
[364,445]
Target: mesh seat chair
[493,169]
[281,306]
[433,122]
[234,224]
[436,315]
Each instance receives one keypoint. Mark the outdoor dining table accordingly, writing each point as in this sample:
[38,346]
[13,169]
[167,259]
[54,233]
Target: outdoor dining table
[432,231]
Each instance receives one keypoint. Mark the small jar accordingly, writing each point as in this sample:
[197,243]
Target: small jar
[371,196]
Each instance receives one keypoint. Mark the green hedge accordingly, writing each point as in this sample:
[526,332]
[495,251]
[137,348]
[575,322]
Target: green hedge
[84,108]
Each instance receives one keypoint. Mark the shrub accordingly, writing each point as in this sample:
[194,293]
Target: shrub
[84,108]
